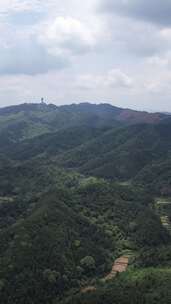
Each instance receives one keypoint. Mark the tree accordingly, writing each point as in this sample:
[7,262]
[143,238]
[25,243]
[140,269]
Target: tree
[88,263]
[51,276]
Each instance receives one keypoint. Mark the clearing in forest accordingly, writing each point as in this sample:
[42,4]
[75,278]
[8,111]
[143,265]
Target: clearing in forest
[120,265]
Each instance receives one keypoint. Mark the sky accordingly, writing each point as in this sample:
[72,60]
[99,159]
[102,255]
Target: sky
[71,51]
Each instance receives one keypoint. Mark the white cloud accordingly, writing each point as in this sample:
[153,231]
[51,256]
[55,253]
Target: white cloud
[22,53]
[67,34]
[138,38]
[114,57]
[30,59]
[116,78]
[166,33]
[8,6]
[158,61]
[113,79]
[48,45]
[161,62]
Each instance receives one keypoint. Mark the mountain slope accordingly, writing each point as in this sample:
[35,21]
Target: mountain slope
[121,153]
[96,148]
[136,287]
[65,213]
[66,237]
[51,144]
[29,120]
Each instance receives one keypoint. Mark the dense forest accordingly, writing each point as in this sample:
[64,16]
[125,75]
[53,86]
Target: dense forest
[80,186]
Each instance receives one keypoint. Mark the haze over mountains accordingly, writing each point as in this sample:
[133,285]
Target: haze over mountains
[78,188]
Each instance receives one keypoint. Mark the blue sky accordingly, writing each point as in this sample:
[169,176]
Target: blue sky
[116,51]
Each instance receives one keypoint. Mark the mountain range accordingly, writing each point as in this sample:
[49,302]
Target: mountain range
[99,140]
[29,120]
[78,188]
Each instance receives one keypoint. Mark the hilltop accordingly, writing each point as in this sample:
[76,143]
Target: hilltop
[30,120]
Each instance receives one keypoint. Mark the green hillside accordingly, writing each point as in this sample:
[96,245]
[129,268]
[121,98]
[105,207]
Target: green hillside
[142,287]
[29,120]
[65,238]
[140,152]
[78,187]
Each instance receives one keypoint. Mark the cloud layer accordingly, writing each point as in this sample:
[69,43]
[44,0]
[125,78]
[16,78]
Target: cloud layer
[157,11]
[67,34]
[116,51]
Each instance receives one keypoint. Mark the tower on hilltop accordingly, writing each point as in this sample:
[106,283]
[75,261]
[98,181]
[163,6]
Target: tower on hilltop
[42,101]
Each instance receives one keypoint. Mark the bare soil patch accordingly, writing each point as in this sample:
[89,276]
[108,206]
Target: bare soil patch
[120,265]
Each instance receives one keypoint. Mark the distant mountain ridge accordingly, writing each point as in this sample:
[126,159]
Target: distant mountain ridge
[40,118]
[28,121]
[26,107]
[121,114]
[99,140]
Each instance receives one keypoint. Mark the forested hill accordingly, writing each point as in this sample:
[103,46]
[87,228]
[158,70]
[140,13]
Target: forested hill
[92,139]
[98,140]
[29,120]
[77,190]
